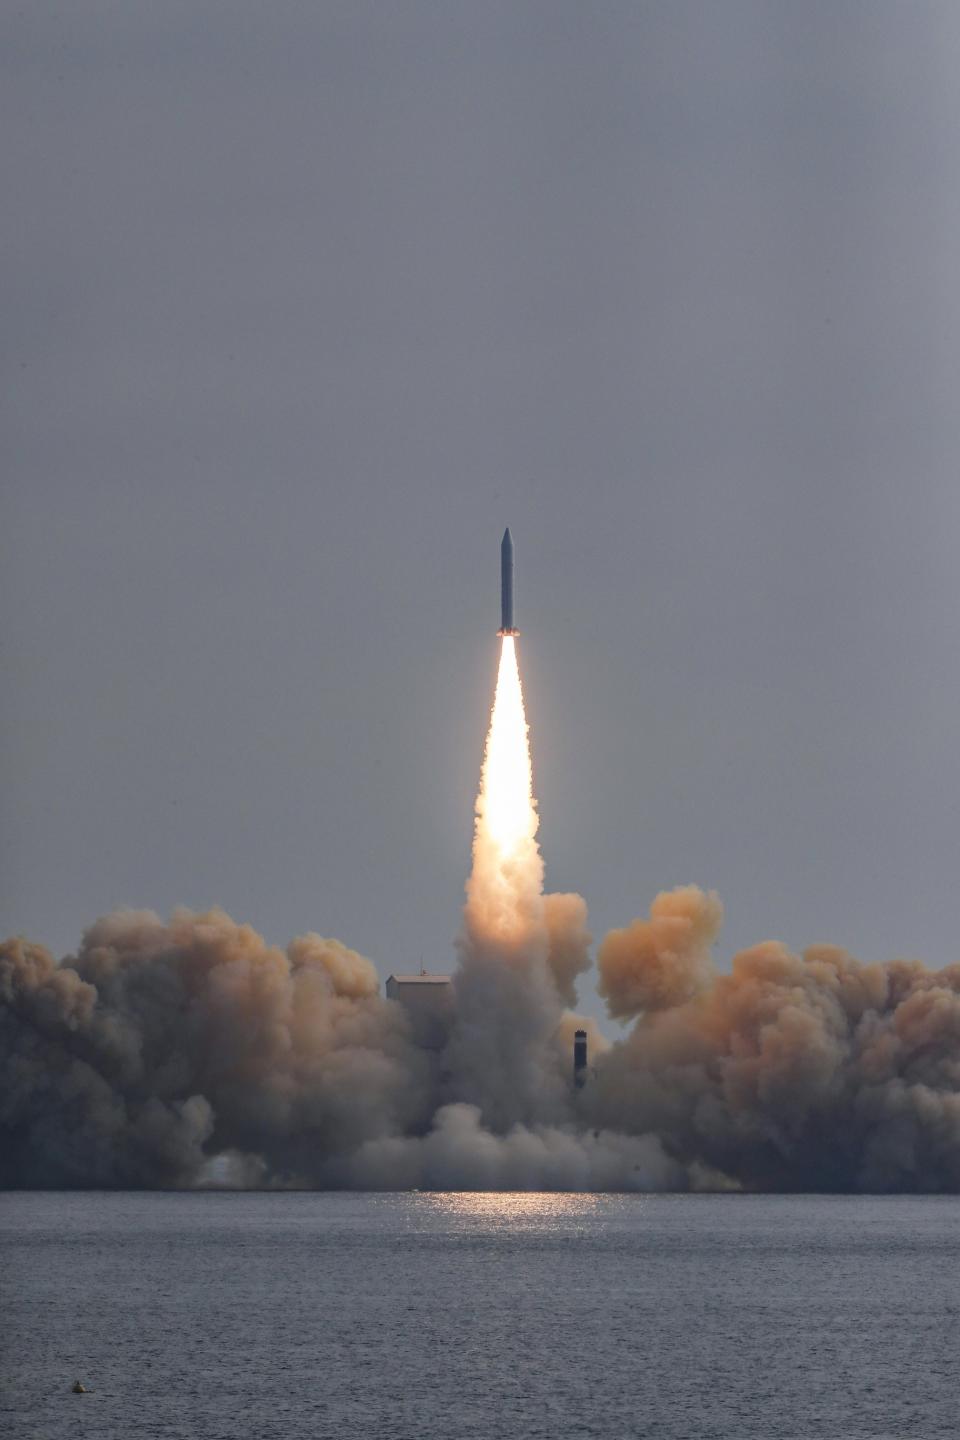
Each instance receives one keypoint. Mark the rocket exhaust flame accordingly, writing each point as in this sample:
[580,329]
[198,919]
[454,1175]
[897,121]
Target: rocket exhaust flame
[505,888]
[506,810]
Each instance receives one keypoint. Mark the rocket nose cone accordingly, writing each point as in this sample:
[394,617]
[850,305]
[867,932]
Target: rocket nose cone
[507,541]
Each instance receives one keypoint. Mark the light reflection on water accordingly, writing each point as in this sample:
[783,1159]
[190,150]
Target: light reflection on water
[499,1209]
[508,1204]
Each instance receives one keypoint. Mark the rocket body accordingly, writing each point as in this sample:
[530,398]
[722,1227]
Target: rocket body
[507,626]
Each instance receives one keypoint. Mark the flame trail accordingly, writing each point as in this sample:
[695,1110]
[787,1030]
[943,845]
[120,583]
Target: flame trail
[506,809]
[505,889]
[507,1007]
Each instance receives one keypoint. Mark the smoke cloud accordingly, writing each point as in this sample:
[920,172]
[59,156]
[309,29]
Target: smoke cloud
[568,942]
[191,1052]
[793,1072]
[656,963]
[159,1046]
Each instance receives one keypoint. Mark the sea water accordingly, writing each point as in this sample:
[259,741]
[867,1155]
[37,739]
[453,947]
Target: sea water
[436,1316]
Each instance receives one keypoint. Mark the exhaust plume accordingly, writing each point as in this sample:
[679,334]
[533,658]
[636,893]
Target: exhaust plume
[505,889]
[192,1052]
[507,1005]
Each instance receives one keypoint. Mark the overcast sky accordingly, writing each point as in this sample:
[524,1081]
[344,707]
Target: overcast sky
[304,302]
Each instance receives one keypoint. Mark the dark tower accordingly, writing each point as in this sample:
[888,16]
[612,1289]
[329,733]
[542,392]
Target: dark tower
[579,1058]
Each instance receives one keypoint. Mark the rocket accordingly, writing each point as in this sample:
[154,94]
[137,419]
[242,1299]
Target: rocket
[507,626]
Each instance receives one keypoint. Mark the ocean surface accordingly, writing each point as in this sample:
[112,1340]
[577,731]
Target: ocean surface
[283,1316]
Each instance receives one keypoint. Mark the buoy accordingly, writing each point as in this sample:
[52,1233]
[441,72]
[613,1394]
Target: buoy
[79,1389]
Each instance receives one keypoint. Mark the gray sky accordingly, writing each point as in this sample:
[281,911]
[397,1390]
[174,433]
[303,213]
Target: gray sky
[304,302]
